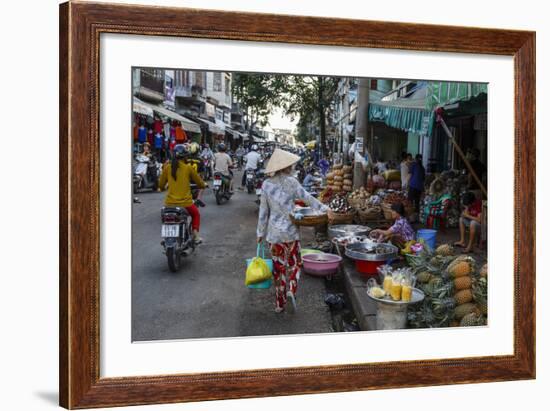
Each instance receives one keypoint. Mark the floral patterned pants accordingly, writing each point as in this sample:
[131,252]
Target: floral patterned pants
[287,264]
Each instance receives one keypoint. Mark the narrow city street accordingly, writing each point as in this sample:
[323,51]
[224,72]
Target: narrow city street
[207,298]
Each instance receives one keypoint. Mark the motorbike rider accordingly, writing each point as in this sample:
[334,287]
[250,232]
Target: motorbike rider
[240,152]
[253,159]
[141,167]
[178,174]
[223,164]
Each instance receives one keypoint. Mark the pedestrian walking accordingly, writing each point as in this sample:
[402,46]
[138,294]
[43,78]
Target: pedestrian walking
[416,182]
[279,194]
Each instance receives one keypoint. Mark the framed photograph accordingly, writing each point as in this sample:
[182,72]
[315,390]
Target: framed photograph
[260,205]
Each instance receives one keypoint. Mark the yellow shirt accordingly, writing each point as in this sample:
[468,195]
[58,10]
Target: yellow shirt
[179,190]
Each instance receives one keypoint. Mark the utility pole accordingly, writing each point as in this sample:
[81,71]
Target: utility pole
[361,131]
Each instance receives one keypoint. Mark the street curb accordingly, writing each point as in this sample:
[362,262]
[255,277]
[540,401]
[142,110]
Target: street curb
[356,287]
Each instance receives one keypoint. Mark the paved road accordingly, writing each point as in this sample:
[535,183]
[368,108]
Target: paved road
[207,297]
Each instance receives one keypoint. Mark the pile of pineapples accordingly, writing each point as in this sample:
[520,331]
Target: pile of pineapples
[456,292]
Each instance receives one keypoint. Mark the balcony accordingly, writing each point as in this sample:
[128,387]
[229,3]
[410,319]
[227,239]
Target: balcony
[190,92]
[150,86]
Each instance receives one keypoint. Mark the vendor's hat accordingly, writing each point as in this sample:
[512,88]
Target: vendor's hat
[280,160]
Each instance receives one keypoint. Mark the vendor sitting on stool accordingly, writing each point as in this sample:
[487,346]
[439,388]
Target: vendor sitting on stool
[470,218]
[400,232]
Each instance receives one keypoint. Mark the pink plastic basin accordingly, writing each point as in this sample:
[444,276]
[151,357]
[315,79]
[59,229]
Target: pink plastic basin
[322,264]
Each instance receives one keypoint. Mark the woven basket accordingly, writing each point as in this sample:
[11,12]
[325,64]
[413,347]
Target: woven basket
[370,214]
[386,209]
[339,218]
[310,220]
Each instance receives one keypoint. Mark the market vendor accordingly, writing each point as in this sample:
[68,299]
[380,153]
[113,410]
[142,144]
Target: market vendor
[279,195]
[471,219]
[400,232]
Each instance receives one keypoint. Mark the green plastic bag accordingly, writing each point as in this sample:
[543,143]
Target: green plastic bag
[258,270]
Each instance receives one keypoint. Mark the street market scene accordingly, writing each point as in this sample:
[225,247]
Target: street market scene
[269,204]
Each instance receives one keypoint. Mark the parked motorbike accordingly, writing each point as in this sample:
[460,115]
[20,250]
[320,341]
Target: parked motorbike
[146,173]
[220,186]
[260,176]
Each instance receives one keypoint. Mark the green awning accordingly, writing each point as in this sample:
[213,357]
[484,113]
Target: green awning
[403,118]
[442,93]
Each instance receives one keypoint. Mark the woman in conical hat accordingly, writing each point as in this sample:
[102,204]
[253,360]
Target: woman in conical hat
[279,193]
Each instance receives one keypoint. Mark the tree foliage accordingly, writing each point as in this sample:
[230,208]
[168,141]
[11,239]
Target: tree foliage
[259,94]
[308,97]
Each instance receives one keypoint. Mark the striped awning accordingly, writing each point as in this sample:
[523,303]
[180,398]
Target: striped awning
[141,108]
[186,124]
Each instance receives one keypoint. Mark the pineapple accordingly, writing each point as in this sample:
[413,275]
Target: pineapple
[472,320]
[460,267]
[424,277]
[479,289]
[464,309]
[464,296]
[462,283]
[444,250]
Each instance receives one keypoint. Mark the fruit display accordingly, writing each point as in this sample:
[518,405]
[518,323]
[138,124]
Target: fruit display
[445,250]
[339,179]
[456,294]
[339,204]
[326,195]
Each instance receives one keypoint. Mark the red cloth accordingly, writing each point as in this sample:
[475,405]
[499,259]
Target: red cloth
[474,209]
[136,132]
[150,137]
[287,263]
[180,135]
[158,127]
[195,216]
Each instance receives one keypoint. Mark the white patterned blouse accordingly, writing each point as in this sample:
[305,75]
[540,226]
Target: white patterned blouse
[277,202]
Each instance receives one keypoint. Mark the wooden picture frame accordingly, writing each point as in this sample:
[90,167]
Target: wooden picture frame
[80,27]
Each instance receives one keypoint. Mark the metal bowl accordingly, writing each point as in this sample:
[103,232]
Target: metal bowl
[371,252]
[348,230]
[416,297]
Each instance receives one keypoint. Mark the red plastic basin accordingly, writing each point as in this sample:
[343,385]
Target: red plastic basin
[368,268]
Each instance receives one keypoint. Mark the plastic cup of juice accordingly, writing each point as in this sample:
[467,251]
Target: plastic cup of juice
[387,284]
[395,291]
[406,293]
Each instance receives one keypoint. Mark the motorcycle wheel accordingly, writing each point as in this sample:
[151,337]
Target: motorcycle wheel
[250,188]
[174,261]
[219,197]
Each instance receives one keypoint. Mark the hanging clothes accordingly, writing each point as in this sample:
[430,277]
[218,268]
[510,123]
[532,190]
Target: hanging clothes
[150,137]
[142,134]
[167,130]
[158,140]
[181,137]
[157,126]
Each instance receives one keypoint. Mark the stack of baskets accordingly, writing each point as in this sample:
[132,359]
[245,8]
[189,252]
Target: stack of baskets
[340,218]
[365,215]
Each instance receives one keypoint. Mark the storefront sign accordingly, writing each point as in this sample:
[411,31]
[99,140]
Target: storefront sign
[210,110]
[227,117]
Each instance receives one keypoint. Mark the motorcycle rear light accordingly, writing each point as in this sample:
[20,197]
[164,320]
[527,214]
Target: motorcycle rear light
[217,178]
[169,218]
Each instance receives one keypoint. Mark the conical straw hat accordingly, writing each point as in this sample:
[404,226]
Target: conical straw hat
[280,159]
